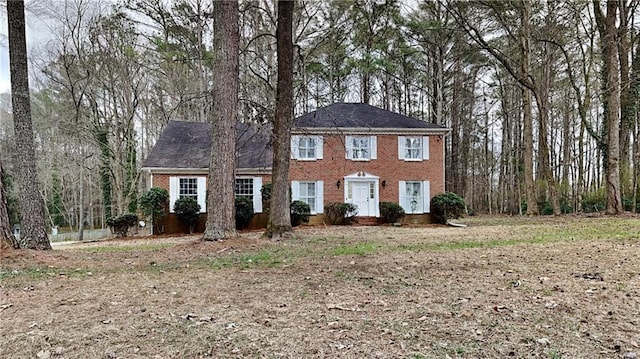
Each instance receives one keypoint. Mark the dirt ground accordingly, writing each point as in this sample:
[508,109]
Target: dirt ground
[545,287]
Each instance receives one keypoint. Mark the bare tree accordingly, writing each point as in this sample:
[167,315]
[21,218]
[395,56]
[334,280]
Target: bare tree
[221,183]
[280,216]
[33,234]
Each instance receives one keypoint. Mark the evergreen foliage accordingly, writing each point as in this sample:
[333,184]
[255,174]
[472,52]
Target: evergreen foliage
[153,204]
[337,213]
[391,212]
[187,210]
[244,212]
[120,225]
[446,206]
[300,212]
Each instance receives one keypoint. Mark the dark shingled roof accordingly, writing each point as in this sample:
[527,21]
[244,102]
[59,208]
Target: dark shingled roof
[359,115]
[188,145]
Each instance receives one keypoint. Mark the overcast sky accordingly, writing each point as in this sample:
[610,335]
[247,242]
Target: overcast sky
[38,34]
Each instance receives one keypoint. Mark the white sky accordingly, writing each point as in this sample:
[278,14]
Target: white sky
[38,34]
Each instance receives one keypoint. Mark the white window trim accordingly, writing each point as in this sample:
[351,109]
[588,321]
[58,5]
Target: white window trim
[426,197]
[295,150]
[425,149]
[295,195]
[257,192]
[373,148]
[174,191]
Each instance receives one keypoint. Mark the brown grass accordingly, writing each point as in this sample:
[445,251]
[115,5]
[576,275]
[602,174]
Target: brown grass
[502,287]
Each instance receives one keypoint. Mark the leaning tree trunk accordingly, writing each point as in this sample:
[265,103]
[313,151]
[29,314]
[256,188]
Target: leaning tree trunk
[33,234]
[7,240]
[221,182]
[280,214]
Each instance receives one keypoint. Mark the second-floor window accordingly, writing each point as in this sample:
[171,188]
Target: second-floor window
[361,148]
[306,147]
[413,148]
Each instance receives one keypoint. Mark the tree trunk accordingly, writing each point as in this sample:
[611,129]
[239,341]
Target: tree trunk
[627,103]
[280,213]
[33,234]
[525,48]
[614,197]
[221,184]
[7,240]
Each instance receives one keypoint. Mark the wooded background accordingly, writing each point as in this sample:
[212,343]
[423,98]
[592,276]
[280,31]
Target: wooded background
[541,96]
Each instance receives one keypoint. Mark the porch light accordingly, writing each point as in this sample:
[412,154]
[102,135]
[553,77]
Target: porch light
[338,184]
[384,183]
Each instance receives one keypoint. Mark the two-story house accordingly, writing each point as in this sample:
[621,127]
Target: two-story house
[345,152]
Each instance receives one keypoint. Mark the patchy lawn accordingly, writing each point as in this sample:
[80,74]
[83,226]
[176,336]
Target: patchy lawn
[545,287]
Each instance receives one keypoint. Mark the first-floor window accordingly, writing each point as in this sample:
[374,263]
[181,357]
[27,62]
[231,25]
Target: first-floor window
[189,188]
[192,187]
[250,187]
[414,196]
[244,187]
[310,192]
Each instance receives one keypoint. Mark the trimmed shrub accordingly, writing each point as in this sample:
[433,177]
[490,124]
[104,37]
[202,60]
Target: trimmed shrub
[391,212]
[120,225]
[244,212]
[446,206]
[340,213]
[266,195]
[153,204]
[300,212]
[187,210]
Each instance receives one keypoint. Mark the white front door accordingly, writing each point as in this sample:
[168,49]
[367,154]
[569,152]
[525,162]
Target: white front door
[363,197]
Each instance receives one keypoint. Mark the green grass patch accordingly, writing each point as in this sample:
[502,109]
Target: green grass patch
[359,249]
[261,259]
[128,248]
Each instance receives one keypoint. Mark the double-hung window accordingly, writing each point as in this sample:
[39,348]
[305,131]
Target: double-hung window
[414,196]
[188,188]
[360,148]
[306,147]
[414,148]
[251,188]
[310,192]
[193,187]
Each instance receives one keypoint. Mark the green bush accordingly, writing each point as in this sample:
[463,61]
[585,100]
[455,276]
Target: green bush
[340,213]
[628,204]
[187,210]
[266,195]
[391,212]
[594,201]
[446,206]
[153,204]
[300,212]
[120,225]
[244,212]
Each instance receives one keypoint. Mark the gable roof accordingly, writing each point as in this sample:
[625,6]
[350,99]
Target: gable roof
[187,145]
[361,115]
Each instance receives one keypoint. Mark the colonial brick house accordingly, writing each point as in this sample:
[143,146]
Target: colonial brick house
[345,152]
